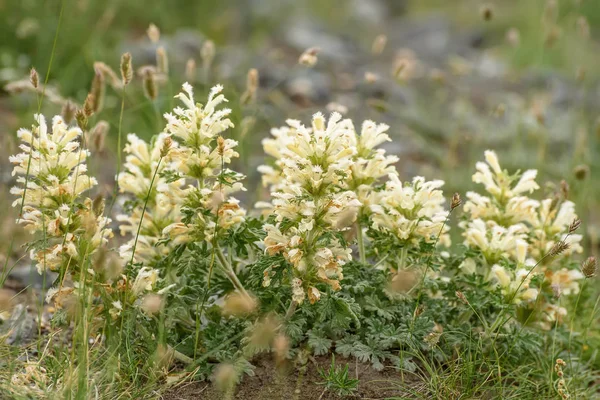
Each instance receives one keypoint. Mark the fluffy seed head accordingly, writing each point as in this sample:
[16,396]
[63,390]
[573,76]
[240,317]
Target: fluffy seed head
[239,304]
[225,377]
[151,304]
[403,281]
[281,347]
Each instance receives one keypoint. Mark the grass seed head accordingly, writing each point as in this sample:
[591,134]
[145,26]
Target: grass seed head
[513,37]
[126,68]
[153,33]
[108,73]
[379,44]
[558,248]
[564,189]
[456,201]
[588,267]
[555,290]
[487,12]
[550,12]
[583,27]
[337,107]
[82,119]
[432,339]
[581,172]
[309,57]
[574,225]
[98,136]
[207,53]
[552,36]
[461,296]
[371,77]
[190,70]
[166,147]
[34,78]
[162,61]
[98,90]
[88,105]
[252,82]
[68,111]
[98,205]
[149,81]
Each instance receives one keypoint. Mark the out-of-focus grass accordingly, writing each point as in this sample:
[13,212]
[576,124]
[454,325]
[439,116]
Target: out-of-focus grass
[567,54]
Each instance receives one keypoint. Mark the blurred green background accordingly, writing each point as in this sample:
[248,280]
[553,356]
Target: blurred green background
[511,75]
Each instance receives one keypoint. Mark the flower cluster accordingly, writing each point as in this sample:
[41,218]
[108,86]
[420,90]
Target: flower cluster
[515,284]
[506,205]
[505,224]
[311,201]
[365,166]
[200,157]
[143,168]
[412,212]
[53,163]
[323,178]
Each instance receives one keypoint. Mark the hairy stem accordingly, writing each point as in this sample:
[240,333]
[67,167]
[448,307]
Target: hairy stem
[229,272]
[291,310]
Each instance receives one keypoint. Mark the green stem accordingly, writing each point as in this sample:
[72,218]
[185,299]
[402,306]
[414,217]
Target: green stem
[573,318]
[361,244]
[179,356]
[229,272]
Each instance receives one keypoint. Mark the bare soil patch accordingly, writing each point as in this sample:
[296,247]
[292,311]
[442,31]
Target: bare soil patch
[290,383]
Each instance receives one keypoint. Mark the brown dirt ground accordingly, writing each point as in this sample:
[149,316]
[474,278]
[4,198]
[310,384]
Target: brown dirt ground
[271,383]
